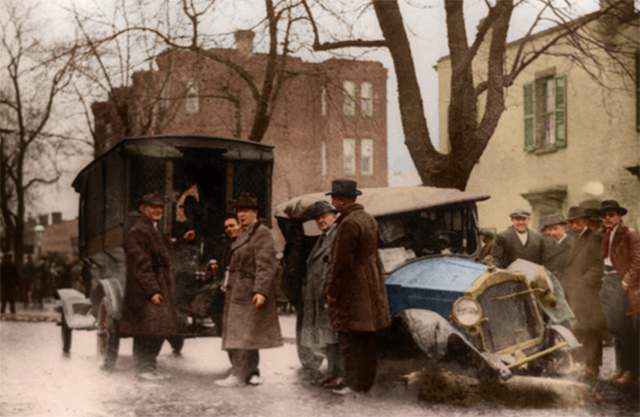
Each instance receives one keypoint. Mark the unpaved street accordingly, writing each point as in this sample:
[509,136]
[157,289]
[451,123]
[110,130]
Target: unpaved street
[38,380]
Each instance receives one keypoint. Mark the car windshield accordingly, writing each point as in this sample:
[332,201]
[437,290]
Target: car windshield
[446,230]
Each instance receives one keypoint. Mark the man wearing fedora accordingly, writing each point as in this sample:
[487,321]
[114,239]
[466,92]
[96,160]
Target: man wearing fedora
[518,242]
[316,333]
[250,320]
[149,313]
[581,282]
[620,293]
[554,227]
[355,290]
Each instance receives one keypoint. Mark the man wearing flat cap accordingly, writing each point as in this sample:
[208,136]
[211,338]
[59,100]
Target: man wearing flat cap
[581,282]
[317,334]
[356,294]
[149,313]
[620,293]
[518,242]
[250,319]
[554,228]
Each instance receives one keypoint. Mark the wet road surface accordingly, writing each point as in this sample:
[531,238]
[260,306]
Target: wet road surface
[36,379]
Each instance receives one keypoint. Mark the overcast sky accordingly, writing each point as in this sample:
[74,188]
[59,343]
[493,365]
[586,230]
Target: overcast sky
[427,31]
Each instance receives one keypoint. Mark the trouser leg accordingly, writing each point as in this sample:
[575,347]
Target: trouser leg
[613,299]
[591,351]
[360,359]
[244,363]
[629,346]
[335,364]
[145,352]
[4,304]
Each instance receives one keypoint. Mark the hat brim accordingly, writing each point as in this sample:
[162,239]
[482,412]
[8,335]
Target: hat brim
[620,210]
[154,203]
[313,216]
[340,194]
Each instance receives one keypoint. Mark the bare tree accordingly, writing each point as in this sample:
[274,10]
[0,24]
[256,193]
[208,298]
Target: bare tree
[477,103]
[184,30]
[35,75]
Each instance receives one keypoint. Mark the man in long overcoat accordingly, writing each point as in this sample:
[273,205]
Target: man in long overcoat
[250,319]
[10,278]
[149,313]
[620,293]
[316,333]
[519,242]
[581,281]
[357,297]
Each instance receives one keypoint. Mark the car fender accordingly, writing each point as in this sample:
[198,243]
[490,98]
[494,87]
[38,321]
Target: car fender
[75,309]
[567,335]
[437,338]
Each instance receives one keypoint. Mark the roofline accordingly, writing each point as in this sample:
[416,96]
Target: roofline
[550,30]
[123,142]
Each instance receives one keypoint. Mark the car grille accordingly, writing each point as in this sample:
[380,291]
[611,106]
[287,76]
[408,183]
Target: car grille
[511,320]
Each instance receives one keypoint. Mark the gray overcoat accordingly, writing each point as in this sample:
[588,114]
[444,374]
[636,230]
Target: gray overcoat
[557,255]
[316,327]
[148,273]
[252,269]
[581,281]
[508,248]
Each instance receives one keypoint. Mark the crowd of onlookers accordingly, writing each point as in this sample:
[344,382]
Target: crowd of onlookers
[35,282]
[596,258]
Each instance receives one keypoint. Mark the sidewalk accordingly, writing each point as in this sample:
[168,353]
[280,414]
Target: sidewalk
[32,314]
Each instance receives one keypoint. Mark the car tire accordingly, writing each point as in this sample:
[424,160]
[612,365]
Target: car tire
[107,336]
[177,343]
[558,363]
[66,333]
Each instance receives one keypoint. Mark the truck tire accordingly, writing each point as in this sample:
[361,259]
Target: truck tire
[107,336]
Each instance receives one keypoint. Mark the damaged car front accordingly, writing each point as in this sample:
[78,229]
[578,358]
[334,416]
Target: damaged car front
[446,304]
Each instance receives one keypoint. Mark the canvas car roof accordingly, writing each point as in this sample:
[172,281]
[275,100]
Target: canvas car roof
[386,200]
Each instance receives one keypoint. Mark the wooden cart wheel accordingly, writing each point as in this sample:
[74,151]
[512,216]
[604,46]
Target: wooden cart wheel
[107,337]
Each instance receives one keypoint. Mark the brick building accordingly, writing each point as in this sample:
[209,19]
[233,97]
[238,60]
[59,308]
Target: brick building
[329,119]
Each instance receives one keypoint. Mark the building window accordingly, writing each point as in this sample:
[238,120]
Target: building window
[545,103]
[323,158]
[366,156]
[349,104]
[192,103]
[366,99]
[349,156]
[323,101]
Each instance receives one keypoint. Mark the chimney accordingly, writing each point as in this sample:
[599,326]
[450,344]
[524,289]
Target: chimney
[244,42]
[43,219]
[56,217]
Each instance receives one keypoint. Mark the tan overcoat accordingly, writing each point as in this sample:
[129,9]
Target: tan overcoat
[356,281]
[148,273]
[252,269]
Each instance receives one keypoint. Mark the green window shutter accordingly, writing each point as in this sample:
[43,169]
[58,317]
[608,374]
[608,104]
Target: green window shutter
[529,143]
[561,111]
[638,90]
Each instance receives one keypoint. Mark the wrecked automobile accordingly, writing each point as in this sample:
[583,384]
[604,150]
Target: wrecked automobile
[445,304]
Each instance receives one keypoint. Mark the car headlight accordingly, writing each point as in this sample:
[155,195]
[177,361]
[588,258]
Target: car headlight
[467,312]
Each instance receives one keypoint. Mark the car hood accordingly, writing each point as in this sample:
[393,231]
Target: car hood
[432,283]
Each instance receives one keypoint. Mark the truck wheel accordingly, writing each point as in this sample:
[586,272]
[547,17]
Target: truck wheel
[66,331]
[108,338]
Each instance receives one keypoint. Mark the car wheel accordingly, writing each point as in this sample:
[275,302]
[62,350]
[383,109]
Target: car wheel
[108,338]
[177,343]
[558,363]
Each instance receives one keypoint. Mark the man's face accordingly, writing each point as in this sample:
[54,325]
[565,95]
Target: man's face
[578,225]
[547,232]
[152,212]
[520,223]
[232,228]
[247,216]
[611,218]
[557,231]
[341,202]
[324,221]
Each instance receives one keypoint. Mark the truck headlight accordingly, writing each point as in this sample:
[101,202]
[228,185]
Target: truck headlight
[467,312]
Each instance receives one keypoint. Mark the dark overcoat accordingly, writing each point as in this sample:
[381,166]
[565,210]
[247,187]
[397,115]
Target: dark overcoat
[508,248]
[582,279]
[148,273]
[625,257]
[252,269]
[9,278]
[356,281]
[316,328]
[557,254]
